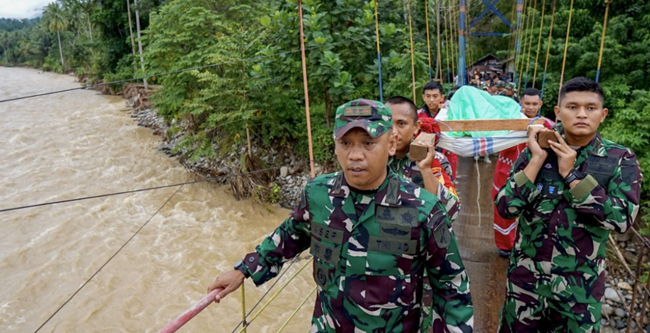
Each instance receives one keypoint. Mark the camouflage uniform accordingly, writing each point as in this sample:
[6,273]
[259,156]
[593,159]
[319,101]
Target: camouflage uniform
[510,86]
[371,249]
[447,195]
[556,277]
[440,168]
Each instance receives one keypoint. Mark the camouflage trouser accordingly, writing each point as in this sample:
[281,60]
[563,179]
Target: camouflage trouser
[525,311]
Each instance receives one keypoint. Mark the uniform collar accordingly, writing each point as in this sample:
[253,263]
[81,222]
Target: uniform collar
[595,147]
[388,194]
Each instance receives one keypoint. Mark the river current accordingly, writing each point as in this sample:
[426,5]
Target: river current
[81,143]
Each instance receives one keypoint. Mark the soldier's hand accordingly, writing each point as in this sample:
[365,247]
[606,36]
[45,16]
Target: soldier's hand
[229,282]
[566,156]
[533,146]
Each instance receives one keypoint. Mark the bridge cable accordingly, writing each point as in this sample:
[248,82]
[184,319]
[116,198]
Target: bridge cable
[539,42]
[566,48]
[602,40]
[109,260]
[548,48]
[127,192]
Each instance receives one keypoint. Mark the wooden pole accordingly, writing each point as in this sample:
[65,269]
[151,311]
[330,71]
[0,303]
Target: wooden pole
[137,26]
[128,9]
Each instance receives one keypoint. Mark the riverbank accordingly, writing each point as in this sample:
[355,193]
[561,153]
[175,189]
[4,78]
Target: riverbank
[279,178]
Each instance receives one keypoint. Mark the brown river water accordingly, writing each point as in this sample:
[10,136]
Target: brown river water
[81,143]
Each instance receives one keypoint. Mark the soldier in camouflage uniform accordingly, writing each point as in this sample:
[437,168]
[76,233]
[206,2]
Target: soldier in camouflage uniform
[406,124]
[568,199]
[437,181]
[372,236]
[511,92]
[501,86]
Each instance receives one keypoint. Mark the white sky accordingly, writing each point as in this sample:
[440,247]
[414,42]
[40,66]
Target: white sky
[19,9]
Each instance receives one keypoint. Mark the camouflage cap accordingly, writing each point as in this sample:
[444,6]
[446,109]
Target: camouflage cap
[500,84]
[510,86]
[372,116]
[485,85]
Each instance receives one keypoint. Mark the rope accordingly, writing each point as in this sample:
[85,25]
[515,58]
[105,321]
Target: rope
[548,47]
[107,261]
[92,86]
[452,39]
[530,43]
[446,40]
[243,306]
[602,40]
[277,279]
[412,56]
[296,310]
[439,61]
[523,52]
[276,294]
[566,48]
[478,190]
[426,20]
[306,88]
[381,94]
[49,203]
[539,42]
[520,14]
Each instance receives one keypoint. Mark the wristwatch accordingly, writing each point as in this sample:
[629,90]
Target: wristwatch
[573,175]
[240,266]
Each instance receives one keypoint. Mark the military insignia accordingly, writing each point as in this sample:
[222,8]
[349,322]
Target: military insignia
[551,189]
[405,216]
[321,276]
[395,232]
[393,246]
[548,165]
[392,191]
[408,217]
[442,235]
[540,186]
[386,215]
[337,184]
[357,111]
[328,254]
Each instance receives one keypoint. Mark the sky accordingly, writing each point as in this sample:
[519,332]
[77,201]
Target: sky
[20,9]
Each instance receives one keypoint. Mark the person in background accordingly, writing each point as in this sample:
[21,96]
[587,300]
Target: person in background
[433,97]
[505,230]
[567,200]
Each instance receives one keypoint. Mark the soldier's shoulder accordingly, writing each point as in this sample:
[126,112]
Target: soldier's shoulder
[321,182]
[414,195]
[611,145]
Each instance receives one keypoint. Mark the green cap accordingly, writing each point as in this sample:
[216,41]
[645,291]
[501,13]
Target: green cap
[510,86]
[485,85]
[372,116]
[500,84]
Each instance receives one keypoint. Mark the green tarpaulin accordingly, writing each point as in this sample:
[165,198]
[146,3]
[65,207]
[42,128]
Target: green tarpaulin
[472,103]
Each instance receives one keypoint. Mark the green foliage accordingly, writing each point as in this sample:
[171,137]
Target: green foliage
[275,194]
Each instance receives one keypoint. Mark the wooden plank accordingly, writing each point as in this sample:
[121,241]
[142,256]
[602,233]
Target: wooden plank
[486,125]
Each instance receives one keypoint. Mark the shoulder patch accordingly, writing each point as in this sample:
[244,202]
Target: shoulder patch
[442,235]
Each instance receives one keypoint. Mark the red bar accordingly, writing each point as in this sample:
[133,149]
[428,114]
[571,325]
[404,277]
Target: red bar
[186,316]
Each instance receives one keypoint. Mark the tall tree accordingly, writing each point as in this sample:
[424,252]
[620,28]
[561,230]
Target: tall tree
[55,20]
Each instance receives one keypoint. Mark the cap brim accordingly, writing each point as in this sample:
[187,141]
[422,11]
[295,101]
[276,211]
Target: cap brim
[363,124]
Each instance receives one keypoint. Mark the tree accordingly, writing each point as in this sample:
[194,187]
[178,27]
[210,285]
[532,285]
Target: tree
[55,20]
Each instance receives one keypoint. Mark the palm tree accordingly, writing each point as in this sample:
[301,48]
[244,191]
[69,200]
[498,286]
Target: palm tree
[55,20]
